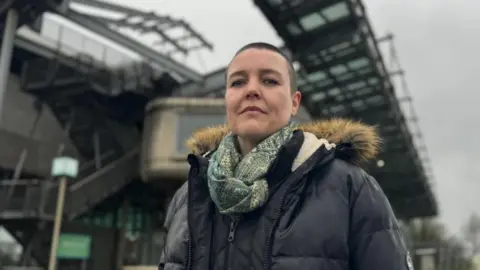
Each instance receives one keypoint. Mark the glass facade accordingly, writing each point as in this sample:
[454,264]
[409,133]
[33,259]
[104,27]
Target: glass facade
[190,122]
[143,237]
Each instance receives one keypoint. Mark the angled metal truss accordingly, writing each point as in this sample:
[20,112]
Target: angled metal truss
[396,70]
[148,23]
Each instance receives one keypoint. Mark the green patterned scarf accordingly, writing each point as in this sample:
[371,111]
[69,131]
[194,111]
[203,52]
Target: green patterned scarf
[238,185]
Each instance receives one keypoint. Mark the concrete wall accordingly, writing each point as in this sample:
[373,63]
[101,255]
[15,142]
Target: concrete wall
[18,115]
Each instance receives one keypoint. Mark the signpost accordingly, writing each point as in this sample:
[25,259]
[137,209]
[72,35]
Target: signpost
[74,246]
[63,168]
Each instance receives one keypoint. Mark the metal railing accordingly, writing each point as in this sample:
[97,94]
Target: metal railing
[79,57]
[30,197]
[73,41]
[25,198]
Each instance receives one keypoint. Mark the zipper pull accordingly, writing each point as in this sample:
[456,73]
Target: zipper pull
[233,227]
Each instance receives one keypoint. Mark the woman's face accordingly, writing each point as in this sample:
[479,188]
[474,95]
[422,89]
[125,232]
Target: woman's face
[258,98]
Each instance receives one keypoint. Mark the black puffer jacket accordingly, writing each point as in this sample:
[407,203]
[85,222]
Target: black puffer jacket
[324,212]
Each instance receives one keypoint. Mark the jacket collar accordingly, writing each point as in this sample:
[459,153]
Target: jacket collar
[355,142]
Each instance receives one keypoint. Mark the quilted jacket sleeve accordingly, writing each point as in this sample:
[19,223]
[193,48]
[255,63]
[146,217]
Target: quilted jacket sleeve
[173,256]
[376,242]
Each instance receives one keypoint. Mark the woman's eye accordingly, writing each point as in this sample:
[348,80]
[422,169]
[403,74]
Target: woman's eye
[237,83]
[270,82]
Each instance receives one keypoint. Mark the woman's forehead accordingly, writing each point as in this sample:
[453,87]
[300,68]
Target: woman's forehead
[258,60]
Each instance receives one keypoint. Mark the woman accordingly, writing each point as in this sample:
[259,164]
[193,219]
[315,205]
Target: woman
[266,194]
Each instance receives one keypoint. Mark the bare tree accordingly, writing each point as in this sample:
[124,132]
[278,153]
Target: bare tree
[452,251]
[472,234]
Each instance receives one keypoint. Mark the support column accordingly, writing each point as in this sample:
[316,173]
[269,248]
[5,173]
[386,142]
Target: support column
[6,52]
[121,232]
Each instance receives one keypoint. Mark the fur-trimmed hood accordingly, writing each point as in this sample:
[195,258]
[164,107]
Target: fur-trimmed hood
[357,142]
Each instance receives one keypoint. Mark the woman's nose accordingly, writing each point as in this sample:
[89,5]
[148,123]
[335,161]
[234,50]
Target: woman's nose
[253,90]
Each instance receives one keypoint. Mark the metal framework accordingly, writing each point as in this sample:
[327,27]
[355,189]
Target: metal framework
[342,73]
[212,85]
[100,109]
[144,22]
[149,22]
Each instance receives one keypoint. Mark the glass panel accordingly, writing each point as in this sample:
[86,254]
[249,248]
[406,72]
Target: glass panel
[339,109]
[356,85]
[346,51]
[72,42]
[364,91]
[358,104]
[318,96]
[294,29]
[324,83]
[316,76]
[334,91]
[307,88]
[364,70]
[189,123]
[345,77]
[373,81]
[300,82]
[312,21]
[336,11]
[339,69]
[338,47]
[375,100]
[358,63]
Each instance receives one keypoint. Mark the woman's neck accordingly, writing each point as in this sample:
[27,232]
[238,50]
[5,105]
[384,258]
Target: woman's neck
[246,146]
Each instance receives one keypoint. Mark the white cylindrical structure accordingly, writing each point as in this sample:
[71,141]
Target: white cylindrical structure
[169,122]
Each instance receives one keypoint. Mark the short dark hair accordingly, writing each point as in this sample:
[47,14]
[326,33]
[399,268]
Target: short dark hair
[266,46]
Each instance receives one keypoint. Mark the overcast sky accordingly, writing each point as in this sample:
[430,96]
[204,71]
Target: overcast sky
[437,42]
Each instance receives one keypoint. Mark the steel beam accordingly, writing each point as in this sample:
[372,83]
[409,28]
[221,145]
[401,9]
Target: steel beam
[22,41]
[212,82]
[39,157]
[108,6]
[149,54]
[130,12]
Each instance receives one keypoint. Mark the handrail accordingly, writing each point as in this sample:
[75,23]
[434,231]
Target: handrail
[20,182]
[92,163]
[103,170]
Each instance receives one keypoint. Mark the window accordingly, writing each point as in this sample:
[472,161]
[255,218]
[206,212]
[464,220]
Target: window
[190,122]
[312,21]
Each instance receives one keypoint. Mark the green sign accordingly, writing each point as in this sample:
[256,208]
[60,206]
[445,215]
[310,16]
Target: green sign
[65,166]
[74,246]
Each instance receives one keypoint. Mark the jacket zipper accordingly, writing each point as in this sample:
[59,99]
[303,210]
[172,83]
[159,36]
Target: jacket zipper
[189,257]
[192,174]
[267,257]
[230,239]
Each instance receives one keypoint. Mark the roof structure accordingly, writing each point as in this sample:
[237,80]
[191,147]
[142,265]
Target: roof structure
[174,36]
[343,74]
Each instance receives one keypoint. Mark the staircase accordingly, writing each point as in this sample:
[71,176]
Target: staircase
[28,214]
[88,100]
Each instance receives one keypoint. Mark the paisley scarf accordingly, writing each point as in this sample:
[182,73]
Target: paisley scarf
[238,184]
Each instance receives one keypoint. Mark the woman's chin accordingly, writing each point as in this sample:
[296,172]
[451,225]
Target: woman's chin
[253,129]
